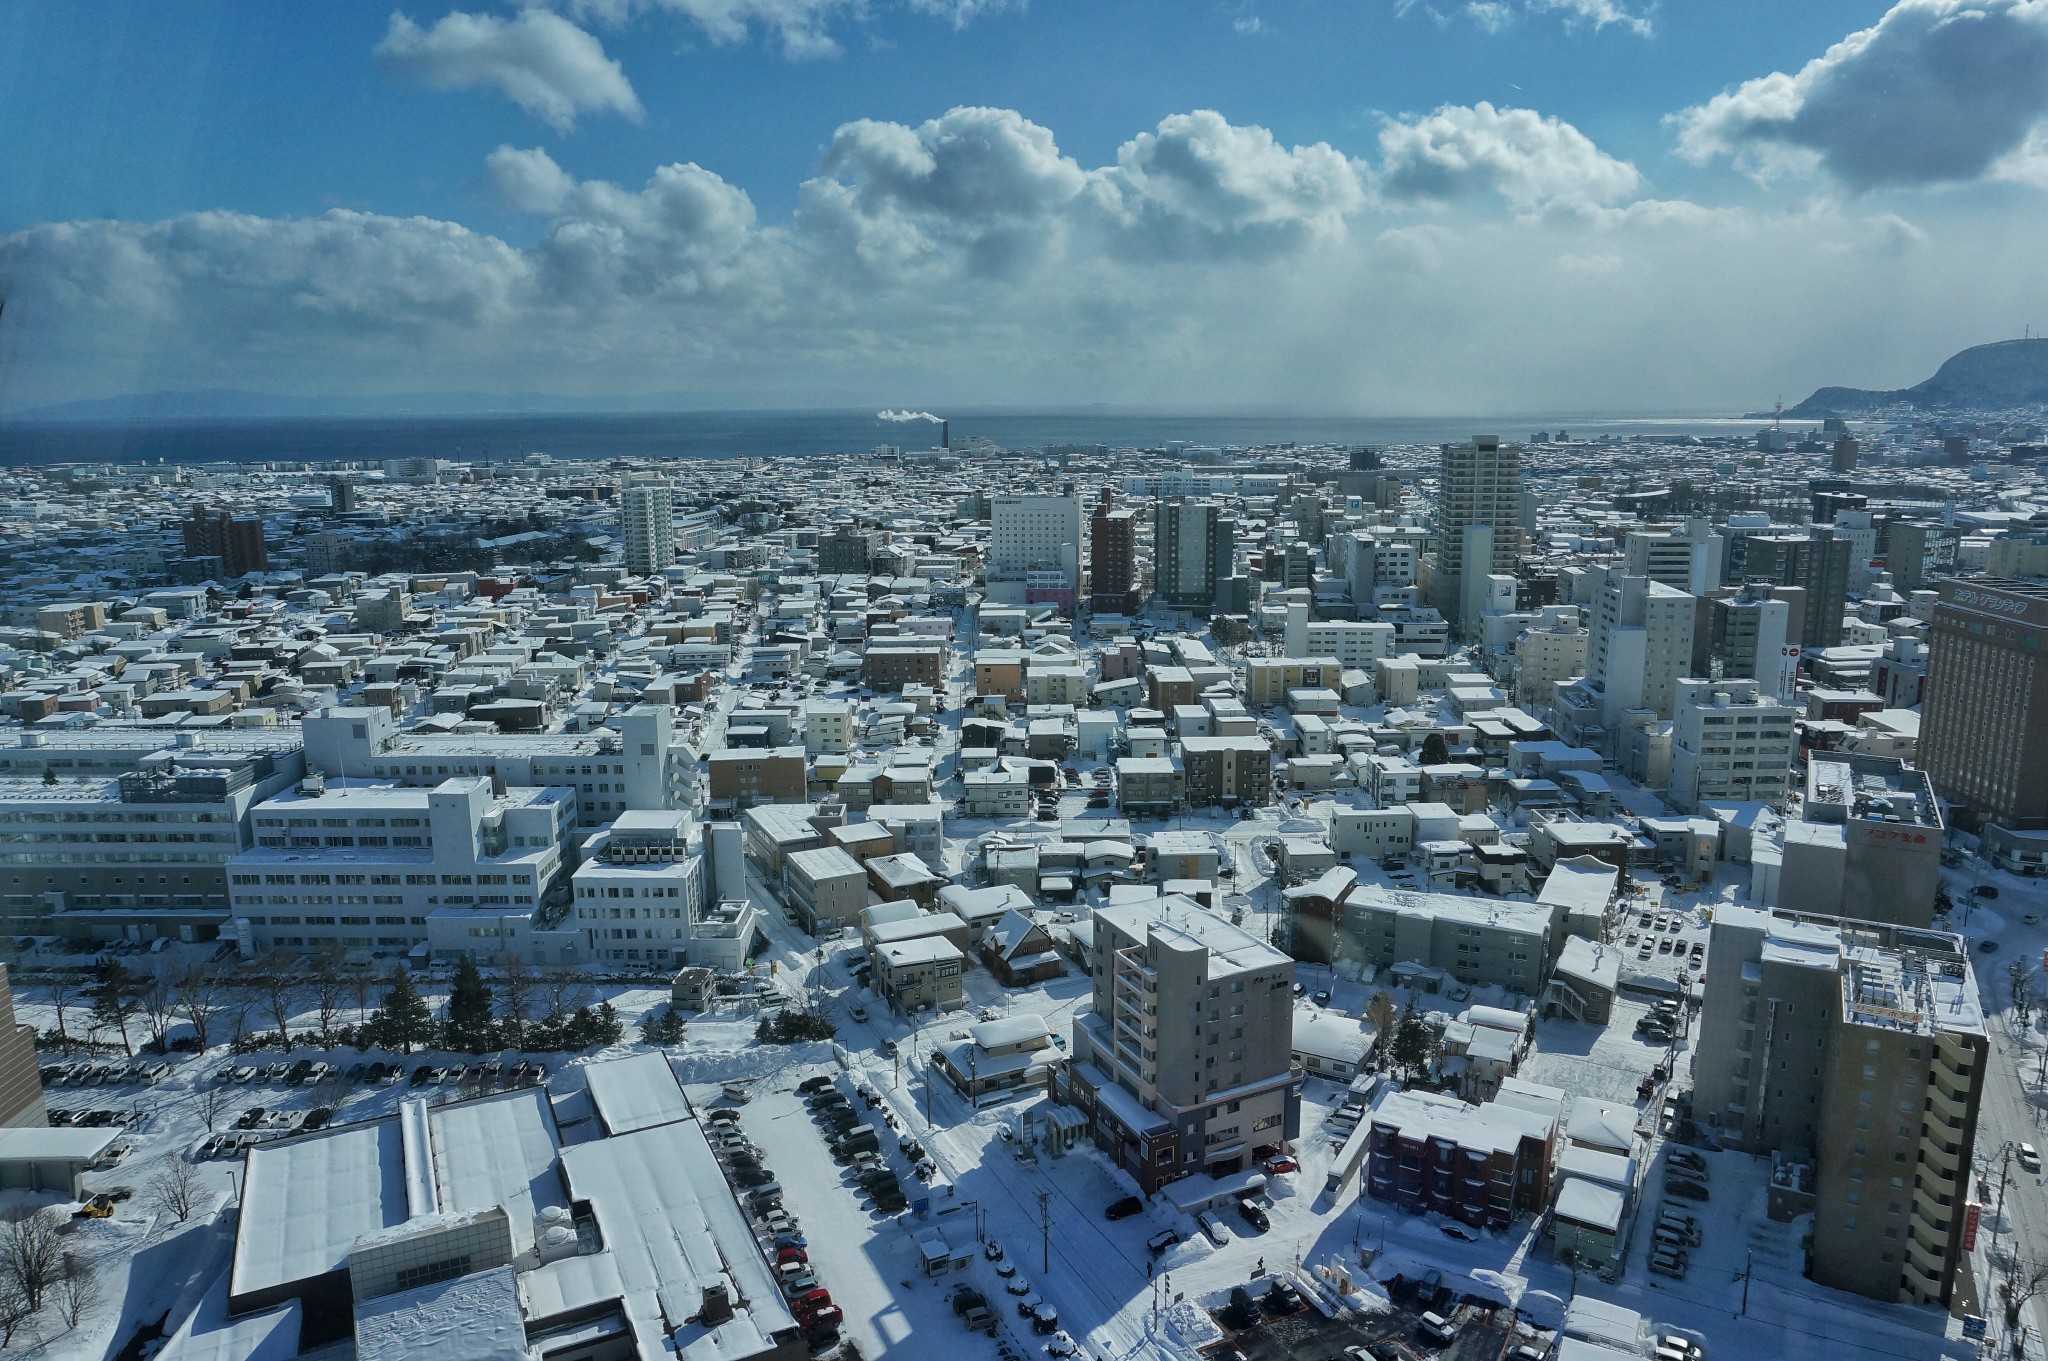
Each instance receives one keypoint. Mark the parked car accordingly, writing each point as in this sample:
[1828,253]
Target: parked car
[2029,1159]
[1218,1231]
[1684,1190]
[1254,1215]
[1281,1162]
[1161,1241]
[1125,1208]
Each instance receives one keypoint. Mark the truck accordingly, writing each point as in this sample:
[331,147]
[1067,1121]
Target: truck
[1350,1158]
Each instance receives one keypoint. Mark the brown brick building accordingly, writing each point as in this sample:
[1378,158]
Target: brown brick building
[1984,720]
[21,1086]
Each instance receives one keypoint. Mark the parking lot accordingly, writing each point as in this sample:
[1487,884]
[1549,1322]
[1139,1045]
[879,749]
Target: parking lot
[1305,1334]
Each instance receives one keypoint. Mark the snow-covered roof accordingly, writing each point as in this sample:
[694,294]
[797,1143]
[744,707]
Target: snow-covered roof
[1579,883]
[1601,1124]
[1590,1203]
[1331,1037]
[635,1093]
[61,1143]
[498,1150]
[471,1318]
[306,1200]
[672,1228]
[1590,962]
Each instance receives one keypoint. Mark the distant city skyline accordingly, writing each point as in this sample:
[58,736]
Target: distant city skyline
[1392,207]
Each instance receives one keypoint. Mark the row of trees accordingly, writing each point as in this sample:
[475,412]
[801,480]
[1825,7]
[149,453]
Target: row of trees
[529,1008]
[1409,1042]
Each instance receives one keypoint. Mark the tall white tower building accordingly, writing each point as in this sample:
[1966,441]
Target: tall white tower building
[647,523]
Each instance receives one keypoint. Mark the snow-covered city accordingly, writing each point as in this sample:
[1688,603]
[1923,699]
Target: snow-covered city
[1509,899]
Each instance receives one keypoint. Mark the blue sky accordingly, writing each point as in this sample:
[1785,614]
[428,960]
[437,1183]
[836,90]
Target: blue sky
[1348,204]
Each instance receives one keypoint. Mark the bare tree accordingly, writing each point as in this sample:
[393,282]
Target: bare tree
[564,987]
[174,1190]
[234,1009]
[76,1289]
[362,990]
[14,1310]
[278,979]
[66,990]
[212,1099]
[329,982]
[30,1255]
[516,988]
[157,997]
[202,992]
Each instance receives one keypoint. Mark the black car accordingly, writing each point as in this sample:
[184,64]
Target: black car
[1684,1190]
[1161,1241]
[319,1117]
[814,1084]
[1125,1208]
[1254,1215]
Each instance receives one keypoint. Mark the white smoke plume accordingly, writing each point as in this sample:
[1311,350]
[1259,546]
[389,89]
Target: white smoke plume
[901,416]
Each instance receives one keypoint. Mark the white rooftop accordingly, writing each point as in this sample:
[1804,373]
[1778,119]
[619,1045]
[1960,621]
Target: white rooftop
[306,1200]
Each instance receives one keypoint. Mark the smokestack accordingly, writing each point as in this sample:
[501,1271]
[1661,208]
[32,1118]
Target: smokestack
[945,434]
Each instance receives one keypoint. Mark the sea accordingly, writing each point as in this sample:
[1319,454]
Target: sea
[736,434]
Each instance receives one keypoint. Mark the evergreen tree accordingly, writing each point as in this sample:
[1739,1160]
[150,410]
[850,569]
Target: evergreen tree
[470,1025]
[114,999]
[1435,751]
[404,1020]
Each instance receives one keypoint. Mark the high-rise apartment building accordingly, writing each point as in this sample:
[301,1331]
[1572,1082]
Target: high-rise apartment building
[1112,558]
[1984,721]
[236,540]
[647,524]
[1186,1060]
[847,551]
[1858,1046]
[1818,562]
[1478,524]
[1194,546]
[1034,553]
[1640,643]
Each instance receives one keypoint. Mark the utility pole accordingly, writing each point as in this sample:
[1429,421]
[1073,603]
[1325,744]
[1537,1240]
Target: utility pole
[1748,1266]
[1045,1231]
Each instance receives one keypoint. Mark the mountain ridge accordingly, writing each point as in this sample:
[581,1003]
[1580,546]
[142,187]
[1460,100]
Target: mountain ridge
[2003,373]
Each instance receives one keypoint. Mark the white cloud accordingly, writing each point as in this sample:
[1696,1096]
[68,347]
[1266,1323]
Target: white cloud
[1532,161]
[971,258]
[529,180]
[1497,16]
[1937,91]
[1201,186]
[538,60]
[802,29]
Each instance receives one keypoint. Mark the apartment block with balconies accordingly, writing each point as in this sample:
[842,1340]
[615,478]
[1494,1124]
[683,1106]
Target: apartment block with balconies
[1858,1046]
[1185,1059]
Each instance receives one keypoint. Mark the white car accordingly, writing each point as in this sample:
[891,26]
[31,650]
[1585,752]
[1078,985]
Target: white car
[2029,1159]
[1218,1231]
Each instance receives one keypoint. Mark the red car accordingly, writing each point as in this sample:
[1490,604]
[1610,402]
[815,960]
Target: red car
[1281,1162]
[817,1297]
[791,1254]
[826,1316]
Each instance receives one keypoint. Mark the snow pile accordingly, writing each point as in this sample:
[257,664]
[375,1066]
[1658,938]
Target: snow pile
[1191,1324]
[695,1066]
[1542,1309]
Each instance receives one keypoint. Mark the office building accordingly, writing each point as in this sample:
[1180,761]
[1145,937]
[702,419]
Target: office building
[1687,559]
[21,1084]
[1478,533]
[638,765]
[647,526]
[1730,741]
[1984,722]
[1752,633]
[1858,1047]
[1112,558]
[1843,457]
[165,820]
[1185,1063]
[1817,562]
[847,551]
[1034,554]
[236,540]
[1194,547]
[649,893]
[468,867]
[1867,842]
